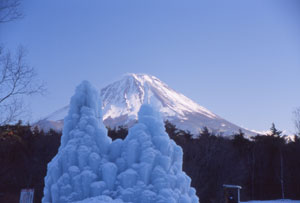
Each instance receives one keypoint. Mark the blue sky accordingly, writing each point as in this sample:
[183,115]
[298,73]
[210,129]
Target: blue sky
[239,59]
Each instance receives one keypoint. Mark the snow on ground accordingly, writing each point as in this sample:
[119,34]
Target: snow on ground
[100,199]
[145,167]
[275,201]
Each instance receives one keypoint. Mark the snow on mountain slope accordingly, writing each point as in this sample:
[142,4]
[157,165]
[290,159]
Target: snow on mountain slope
[123,99]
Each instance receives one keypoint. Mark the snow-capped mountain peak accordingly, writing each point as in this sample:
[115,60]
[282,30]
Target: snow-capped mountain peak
[122,100]
[132,91]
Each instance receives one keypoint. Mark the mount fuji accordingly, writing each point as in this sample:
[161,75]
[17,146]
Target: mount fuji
[121,102]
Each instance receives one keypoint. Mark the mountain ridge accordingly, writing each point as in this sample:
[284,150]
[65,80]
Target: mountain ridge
[121,101]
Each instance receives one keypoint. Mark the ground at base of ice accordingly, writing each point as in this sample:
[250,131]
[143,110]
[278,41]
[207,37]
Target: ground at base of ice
[275,201]
[100,199]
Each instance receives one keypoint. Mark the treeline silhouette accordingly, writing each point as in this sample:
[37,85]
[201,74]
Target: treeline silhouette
[24,155]
[266,166]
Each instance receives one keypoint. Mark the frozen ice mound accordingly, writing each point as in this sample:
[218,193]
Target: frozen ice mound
[145,167]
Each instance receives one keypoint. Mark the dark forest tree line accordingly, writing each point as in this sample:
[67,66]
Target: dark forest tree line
[267,167]
[24,155]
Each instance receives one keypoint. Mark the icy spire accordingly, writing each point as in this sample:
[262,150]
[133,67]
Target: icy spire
[146,167]
[154,164]
[85,112]
[84,144]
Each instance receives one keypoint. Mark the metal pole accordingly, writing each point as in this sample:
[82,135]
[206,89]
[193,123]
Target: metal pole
[238,195]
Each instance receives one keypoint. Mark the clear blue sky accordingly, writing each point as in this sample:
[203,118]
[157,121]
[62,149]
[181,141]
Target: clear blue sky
[239,59]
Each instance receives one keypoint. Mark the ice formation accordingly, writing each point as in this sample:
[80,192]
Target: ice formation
[146,167]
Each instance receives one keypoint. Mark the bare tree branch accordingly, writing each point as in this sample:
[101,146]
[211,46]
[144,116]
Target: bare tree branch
[17,79]
[10,10]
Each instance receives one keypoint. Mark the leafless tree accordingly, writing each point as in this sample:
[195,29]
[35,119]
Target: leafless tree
[17,79]
[10,10]
[296,118]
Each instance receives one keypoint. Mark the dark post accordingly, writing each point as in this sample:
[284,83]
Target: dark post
[229,195]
